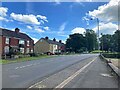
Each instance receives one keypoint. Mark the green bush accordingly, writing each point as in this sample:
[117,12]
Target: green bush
[107,55]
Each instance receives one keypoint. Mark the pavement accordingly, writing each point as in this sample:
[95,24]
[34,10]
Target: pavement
[69,71]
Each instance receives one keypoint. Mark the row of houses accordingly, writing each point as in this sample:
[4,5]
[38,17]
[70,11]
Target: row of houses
[15,42]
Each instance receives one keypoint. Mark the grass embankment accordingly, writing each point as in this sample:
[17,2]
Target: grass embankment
[5,61]
[115,61]
[113,57]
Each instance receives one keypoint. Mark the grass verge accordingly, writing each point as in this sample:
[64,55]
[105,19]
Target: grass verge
[5,61]
[115,61]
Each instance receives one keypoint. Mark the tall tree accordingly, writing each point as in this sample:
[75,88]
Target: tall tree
[75,42]
[106,42]
[116,38]
[91,40]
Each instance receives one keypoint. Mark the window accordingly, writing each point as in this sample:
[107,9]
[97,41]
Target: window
[28,50]
[22,50]
[21,42]
[6,49]
[31,50]
[41,40]
[28,43]
[7,40]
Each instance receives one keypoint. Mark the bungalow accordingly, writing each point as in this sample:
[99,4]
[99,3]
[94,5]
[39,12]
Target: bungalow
[15,41]
[45,45]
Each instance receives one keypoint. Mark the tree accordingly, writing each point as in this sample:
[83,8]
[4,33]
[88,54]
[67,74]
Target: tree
[75,42]
[91,40]
[80,43]
[106,42]
[116,38]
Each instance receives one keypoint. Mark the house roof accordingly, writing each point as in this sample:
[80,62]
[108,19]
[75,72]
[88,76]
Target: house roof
[9,33]
[53,42]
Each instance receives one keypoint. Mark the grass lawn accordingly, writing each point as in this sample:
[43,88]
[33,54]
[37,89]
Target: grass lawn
[24,59]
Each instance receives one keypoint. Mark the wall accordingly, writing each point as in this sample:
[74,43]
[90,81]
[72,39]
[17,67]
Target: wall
[41,46]
[0,46]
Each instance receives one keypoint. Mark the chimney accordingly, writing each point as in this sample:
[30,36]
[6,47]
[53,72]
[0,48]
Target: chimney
[60,41]
[54,39]
[46,38]
[17,30]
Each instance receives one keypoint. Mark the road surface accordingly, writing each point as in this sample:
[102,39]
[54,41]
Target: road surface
[70,71]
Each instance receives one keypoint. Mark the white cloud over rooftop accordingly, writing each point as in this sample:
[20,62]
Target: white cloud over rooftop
[29,19]
[108,12]
[3,11]
[78,30]
[108,28]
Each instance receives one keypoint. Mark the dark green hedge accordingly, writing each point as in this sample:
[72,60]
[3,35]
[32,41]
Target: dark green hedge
[111,55]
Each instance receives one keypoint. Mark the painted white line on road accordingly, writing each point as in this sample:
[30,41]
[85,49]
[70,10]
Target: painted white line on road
[65,82]
[26,66]
[14,76]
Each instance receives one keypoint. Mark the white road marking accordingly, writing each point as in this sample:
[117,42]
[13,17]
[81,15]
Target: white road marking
[65,82]
[27,66]
[14,76]
[105,75]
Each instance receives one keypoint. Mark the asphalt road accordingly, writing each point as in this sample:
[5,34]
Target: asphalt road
[54,72]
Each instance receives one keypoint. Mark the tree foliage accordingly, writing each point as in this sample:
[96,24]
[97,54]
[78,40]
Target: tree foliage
[110,42]
[80,43]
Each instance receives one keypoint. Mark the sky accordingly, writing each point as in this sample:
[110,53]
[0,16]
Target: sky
[59,19]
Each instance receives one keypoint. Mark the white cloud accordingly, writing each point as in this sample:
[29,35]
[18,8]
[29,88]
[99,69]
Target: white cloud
[35,40]
[108,28]
[29,19]
[61,28]
[29,27]
[78,30]
[3,19]
[57,2]
[44,18]
[46,28]
[3,11]
[38,29]
[107,12]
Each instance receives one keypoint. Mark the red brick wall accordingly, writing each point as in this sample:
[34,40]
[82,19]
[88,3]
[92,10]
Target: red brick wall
[0,47]
[15,42]
[3,44]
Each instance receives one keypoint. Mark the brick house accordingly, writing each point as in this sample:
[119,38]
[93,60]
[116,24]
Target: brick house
[15,41]
[45,45]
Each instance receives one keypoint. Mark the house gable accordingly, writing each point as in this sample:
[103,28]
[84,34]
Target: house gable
[41,46]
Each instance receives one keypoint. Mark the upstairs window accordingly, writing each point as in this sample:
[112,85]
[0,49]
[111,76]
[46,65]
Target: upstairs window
[21,42]
[28,43]
[7,40]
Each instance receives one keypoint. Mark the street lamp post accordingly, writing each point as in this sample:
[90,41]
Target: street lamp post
[98,32]
[102,41]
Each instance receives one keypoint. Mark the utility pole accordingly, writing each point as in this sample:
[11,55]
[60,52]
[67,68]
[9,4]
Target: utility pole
[98,33]
[102,41]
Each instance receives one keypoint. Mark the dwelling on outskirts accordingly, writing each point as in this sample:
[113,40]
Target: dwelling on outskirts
[12,42]
[45,45]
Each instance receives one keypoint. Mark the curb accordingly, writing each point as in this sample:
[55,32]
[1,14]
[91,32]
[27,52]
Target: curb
[115,69]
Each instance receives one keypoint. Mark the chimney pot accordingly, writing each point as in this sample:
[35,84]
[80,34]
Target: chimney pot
[60,41]
[46,38]
[17,30]
[54,39]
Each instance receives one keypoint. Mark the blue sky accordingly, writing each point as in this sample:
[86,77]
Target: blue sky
[57,20]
